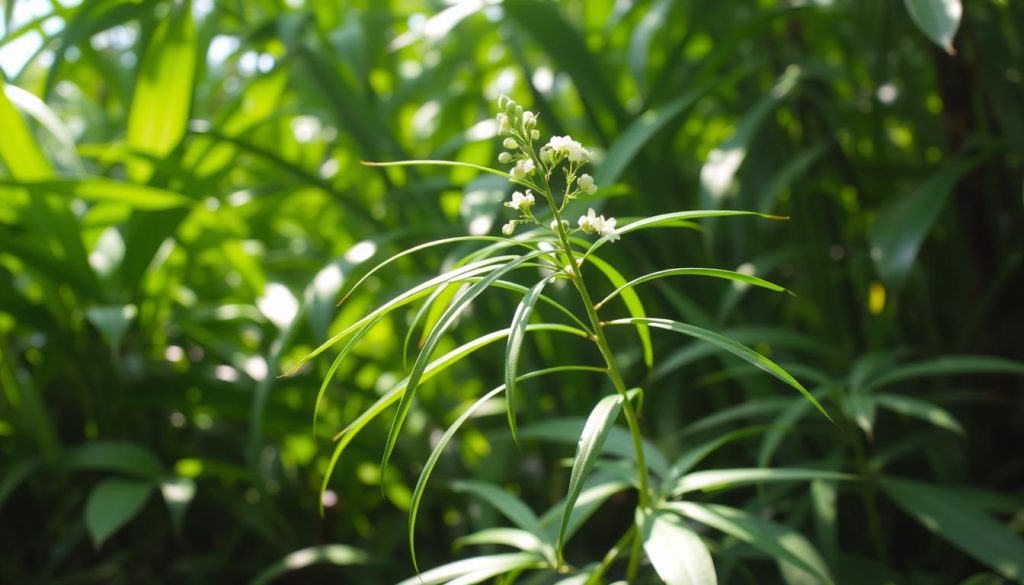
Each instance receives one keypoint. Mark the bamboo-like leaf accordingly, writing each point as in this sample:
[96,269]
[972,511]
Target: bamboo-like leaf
[498,563]
[600,487]
[716,479]
[510,506]
[444,323]
[947,366]
[693,456]
[514,347]
[595,432]
[441,163]
[514,537]
[352,343]
[777,541]
[634,305]
[713,272]
[921,409]
[101,190]
[937,19]
[679,556]
[672,220]
[346,435]
[957,520]
[732,347]
[158,116]
[324,554]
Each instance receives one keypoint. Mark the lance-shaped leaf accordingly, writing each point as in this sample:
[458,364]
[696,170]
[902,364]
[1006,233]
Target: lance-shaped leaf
[713,272]
[508,505]
[730,478]
[634,305]
[488,565]
[514,347]
[679,556]
[444,323]
[937,19]
[732,347]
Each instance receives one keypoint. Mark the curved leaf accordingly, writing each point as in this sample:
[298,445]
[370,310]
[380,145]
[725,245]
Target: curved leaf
[679,556]
[513,348]
[325,554]
[937,19]
[112,504]
[713,272]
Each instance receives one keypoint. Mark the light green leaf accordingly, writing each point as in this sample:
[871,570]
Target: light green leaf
[98,190]
[492,564]
[634,305]
[937,19]
[325,554]
[716,479]
[679,556]
[514,537]
[776,540]
[158,116]
[514,347]
[112,504]
[729,345]
[921,409]
[713,272]
[112,322]
[595,432]
[957,520]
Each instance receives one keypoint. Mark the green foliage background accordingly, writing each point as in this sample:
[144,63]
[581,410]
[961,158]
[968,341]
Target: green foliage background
[182,205]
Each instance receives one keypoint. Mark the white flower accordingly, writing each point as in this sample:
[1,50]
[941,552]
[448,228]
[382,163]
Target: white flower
[503,125]
[554,225]
[522,168]
[586,184]
[597,224]
[520,201]
[504,158]
[565,146]
[529,119]
[508,228]
[510,143]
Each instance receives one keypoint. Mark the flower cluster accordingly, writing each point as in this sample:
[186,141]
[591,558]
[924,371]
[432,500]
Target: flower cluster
[518,127]
[597,224]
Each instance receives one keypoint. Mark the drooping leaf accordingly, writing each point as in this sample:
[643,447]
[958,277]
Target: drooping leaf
[937,19]
[514,347]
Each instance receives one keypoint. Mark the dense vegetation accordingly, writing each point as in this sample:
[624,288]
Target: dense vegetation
[182,206]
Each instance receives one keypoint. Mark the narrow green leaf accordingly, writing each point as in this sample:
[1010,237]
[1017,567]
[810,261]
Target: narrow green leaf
[716,479]
[679,556]
[441,163]
[120,456]
[732,347]
[956,519]
[112,504]
[937,19]
[692,457]
[352,343]
[776,540]
[921,409]
[510,506]
[18,150]
[514,347]
[713,272]
[444,323]
[514,537]
[498,563]
[600,487]
[325,554]
[595,432]
[619,443]
[947,366]
[634,305]
[158,116]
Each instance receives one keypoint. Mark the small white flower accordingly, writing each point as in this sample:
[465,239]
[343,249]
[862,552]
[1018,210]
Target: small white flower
[597,224]
[522,168]
[508,228]
[586,184]
[545,155]
[504,158]
[529,119]
[535,134]
[554,225]
[520,201]
[510,143]
[565,146]
[503,125]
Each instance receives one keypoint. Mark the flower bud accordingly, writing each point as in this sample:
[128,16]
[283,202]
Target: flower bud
[508,228]
[535,134]
[504,158]
[586,184]
[510,143]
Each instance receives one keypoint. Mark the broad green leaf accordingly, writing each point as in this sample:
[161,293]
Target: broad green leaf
[510,506]
[732,347]
[921,409]
[713,272]
[99,190]
[112,504]
[444,323]
[679,556]
[959,521]
[595,432]
[487,564]
[514,347]
[717,479]
[159,112]
[124,457]
[325,554]
[903,222]
[775,540]
[633,303]
[937,19]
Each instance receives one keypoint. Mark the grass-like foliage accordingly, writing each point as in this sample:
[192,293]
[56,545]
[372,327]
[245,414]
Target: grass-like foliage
[558,250]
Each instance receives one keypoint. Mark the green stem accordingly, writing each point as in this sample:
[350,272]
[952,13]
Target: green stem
[612,554]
